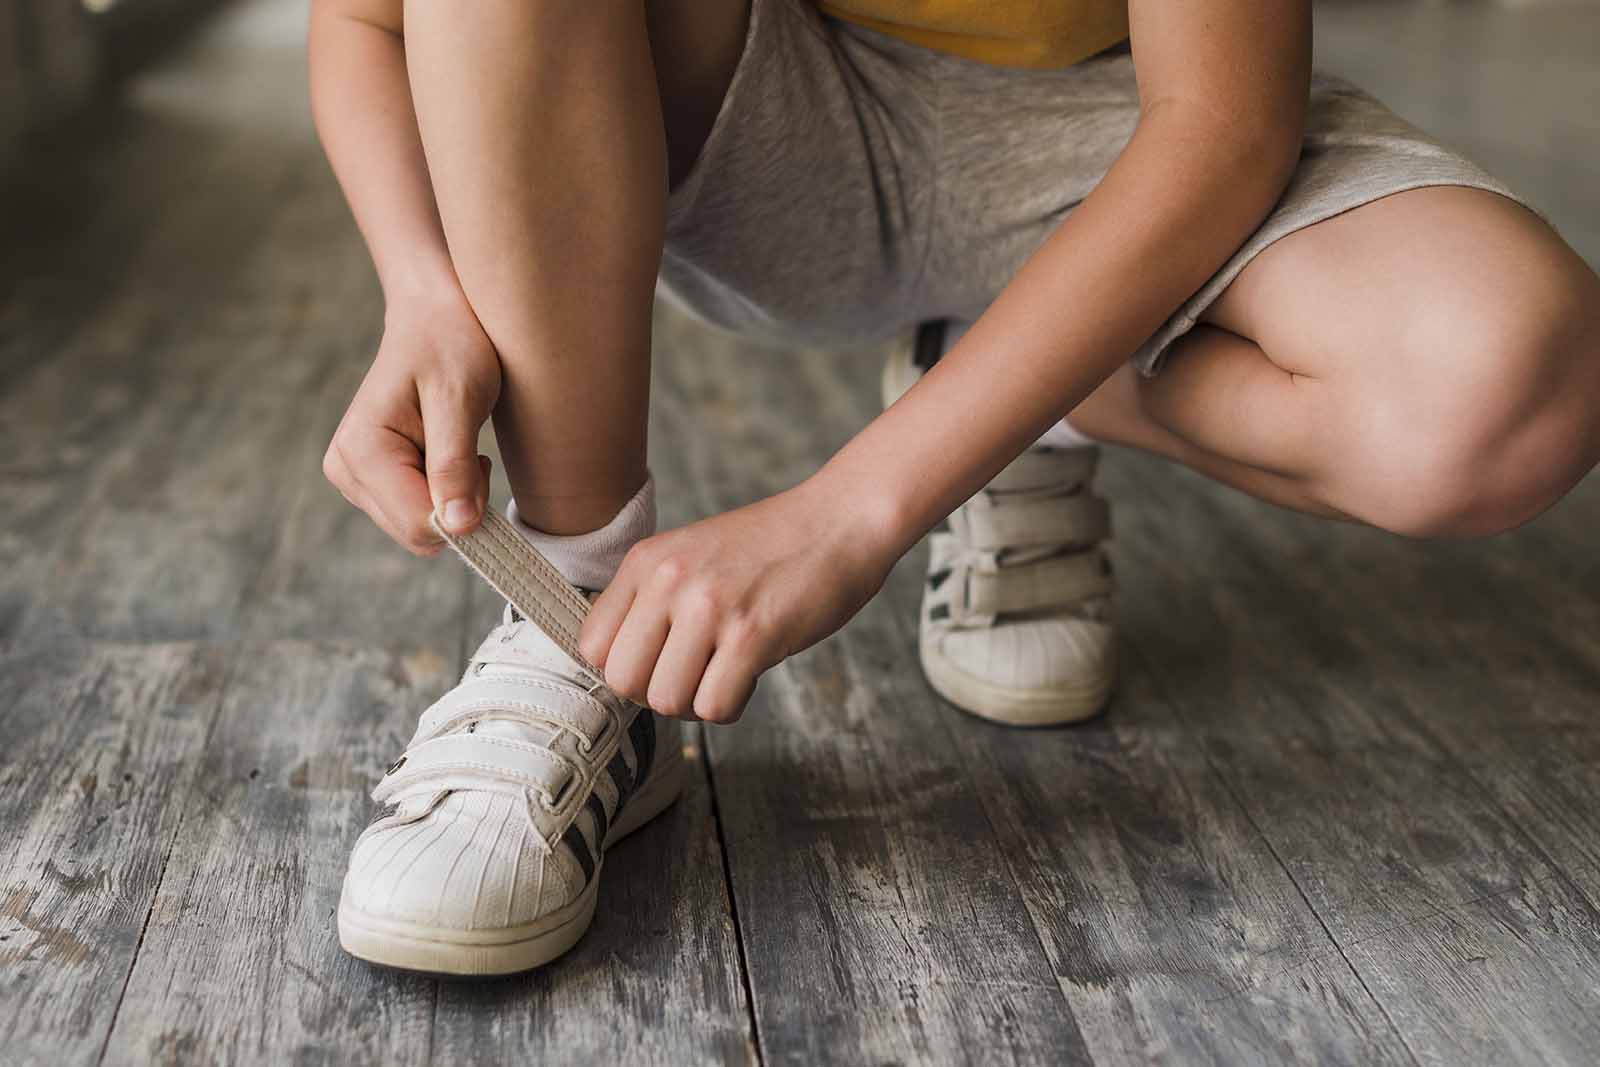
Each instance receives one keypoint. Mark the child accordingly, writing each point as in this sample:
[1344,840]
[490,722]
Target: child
[1322,307]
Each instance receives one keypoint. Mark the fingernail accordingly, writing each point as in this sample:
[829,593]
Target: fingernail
[457,513]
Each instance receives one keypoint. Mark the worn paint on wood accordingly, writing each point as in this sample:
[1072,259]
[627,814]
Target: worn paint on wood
[101,745]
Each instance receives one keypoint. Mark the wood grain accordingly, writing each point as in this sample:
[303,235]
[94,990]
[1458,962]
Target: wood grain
[101,744]
[1349,710]
[241,955]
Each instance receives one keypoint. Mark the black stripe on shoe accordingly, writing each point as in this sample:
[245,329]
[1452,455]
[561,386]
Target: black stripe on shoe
[597,809]
[642,735]
[621,777]
[580,848]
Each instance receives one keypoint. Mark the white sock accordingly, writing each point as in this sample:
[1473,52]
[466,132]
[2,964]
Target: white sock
[1062,435]
[590,560]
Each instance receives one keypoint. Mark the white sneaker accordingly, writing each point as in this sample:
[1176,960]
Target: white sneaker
[1016,616]
[486,855]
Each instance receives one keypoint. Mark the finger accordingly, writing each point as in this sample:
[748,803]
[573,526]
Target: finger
[599,630]
[450,451]
[678,669]
[726,687]
[350,488]
[389,469]
[485,467]
[633,654]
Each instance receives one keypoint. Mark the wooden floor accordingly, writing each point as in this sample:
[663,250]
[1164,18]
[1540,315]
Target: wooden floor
[1346,807]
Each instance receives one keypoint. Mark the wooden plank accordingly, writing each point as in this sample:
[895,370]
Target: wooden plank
[1171,923]
[241,961]
[880,923]
[140,220]
[185,494]
[132,279]
[1315,692]
[1503,678]
[101,743]
[1510,978]
[1505,673]
[186,506]
[880,920]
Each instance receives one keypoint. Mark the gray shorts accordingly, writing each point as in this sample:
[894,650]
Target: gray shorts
[854,184]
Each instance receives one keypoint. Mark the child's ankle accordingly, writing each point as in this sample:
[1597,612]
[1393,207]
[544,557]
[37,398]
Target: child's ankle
[590,560]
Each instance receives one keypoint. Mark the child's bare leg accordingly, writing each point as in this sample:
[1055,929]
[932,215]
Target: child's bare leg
[543,133]
[1425,363]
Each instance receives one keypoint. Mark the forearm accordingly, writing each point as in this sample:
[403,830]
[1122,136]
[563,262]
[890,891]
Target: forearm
[1186,191]
[361,102]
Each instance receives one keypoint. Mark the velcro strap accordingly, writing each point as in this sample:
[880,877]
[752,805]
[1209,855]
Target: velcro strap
[1044,468]
[516,570]
[1079,519]
[1056,582]
[518,763]
[537,698]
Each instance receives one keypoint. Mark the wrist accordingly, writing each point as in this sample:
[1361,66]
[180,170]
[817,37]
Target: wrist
[423,293]
[866,518]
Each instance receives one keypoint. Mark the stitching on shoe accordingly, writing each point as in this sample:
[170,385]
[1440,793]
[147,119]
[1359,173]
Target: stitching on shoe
[570,691]
[446,765]
[496,546]
[486,552]
[513,542]
[476,708]
[537,611]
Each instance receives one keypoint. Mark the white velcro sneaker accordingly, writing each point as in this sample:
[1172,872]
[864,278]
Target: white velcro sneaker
[486,853]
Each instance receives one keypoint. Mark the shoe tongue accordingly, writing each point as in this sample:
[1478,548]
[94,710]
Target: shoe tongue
[530,640]
[531,646]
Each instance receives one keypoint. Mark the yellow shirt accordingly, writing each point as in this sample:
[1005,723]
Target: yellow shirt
[1041,34]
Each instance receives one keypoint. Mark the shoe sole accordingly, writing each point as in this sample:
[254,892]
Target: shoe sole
[1053,706]
[440,950]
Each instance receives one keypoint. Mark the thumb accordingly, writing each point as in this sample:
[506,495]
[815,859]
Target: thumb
[457,481]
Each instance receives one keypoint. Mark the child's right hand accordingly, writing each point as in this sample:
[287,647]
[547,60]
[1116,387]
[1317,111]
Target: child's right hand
[408,443]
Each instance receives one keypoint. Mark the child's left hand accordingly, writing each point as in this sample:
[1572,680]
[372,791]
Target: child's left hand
[696,614]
